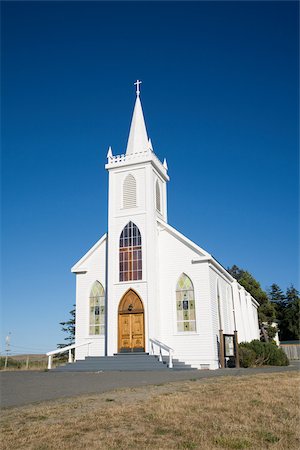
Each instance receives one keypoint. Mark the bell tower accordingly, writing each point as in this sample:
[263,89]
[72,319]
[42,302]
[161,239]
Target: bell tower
[137,198]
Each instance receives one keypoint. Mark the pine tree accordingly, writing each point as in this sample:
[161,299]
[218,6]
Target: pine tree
[289,325]
[69,328]
[266,310]
[250,283]
[276,294]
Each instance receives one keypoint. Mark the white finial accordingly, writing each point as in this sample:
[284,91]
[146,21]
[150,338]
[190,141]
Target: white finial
[109,153]
[137,84]
[165,164]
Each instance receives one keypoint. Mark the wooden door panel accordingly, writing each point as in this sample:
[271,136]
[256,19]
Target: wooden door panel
[125,331]
[137,326]
[131,332]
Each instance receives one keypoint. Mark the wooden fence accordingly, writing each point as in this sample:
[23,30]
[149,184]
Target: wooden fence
[292,351]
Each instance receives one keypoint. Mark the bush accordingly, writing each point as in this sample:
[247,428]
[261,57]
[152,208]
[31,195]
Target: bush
[247,357]
[265,353]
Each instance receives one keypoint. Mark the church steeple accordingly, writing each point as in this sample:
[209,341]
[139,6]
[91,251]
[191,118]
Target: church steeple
[138,138]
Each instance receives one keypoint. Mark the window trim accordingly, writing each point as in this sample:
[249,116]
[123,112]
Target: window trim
[129,190]
[158,204]
[188,332]
[130,254]
[94,335]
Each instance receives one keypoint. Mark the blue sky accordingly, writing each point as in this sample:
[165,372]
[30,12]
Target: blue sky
[220,98]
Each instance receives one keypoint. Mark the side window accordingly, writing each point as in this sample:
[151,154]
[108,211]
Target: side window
[97,309]
[129,192]
[157,196]
[185,304]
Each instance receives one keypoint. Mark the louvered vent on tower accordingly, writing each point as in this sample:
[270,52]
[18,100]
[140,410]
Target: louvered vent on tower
[129,192]
[157,189]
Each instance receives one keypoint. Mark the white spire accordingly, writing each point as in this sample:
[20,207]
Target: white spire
[138,139]
[109,153]
[165,164]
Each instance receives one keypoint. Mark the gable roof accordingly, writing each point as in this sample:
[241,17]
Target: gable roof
[203,255]
[79,266]
[184,240]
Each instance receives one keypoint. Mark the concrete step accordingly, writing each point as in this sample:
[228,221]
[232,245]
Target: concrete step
[121,362]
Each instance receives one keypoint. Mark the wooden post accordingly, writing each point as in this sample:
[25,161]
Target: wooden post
[5,364]
[222,354]
[27,362]
[236,350]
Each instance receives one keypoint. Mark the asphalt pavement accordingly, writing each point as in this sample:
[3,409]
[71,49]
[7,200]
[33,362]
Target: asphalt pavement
[19,388]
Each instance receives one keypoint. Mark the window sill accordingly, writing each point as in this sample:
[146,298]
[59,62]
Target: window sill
[96,336]
[130,282]
[186,333]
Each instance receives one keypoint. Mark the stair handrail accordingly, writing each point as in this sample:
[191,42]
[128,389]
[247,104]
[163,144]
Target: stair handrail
[65,349]
[161,347]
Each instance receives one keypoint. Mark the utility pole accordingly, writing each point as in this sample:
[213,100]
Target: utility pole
[7,348]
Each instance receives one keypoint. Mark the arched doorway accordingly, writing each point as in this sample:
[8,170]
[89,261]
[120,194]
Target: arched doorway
[131,324]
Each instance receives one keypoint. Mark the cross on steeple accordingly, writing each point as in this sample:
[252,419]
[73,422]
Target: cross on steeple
[137,84]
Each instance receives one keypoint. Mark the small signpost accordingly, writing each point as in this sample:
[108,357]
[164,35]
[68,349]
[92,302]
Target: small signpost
[231,350]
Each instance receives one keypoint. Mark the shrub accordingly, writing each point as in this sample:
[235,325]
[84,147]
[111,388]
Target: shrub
[247,357]
[265,353]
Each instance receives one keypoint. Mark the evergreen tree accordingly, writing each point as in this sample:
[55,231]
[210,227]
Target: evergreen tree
[266,310]
[249,283]
[69,328]
[289,324]
[292,294]
[278,300]
[276,294]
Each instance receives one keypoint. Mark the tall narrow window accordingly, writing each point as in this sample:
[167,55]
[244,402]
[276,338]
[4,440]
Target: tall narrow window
[97,309]
[129,192]
[130,253]
[185,304]
[157,195]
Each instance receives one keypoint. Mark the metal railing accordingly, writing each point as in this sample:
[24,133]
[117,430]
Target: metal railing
[69,349]
[161,347]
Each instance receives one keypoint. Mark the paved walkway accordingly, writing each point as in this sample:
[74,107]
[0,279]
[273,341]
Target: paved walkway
[24,387]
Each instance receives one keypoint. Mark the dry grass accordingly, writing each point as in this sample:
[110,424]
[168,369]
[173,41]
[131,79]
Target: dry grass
[35,362]
[255,412]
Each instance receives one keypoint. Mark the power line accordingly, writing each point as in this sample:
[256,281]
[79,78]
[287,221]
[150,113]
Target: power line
[27,348]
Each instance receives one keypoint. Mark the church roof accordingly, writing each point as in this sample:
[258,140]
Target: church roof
[79,266]
[138,139]
[184,240]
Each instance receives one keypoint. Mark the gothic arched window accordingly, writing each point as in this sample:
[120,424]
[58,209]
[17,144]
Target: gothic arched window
[185,304]
[130,253]
[129,192]
[157,196]
[97,309]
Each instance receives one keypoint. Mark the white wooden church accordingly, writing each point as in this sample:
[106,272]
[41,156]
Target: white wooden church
[145,283]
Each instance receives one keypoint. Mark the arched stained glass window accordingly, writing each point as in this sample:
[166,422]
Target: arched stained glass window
[97,309]
[157,194]
[129,192]
[130,253]
[185,304]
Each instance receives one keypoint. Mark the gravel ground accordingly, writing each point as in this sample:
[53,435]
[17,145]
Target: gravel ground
[24,387]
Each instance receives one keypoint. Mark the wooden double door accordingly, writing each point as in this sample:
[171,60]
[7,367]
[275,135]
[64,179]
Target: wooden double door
[131,324]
